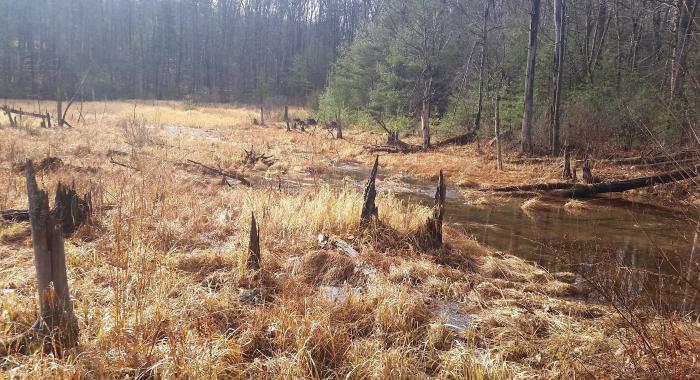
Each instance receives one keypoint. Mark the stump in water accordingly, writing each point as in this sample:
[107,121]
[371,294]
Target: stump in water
[434,227]
[567,163]
[369,208]
[587,174]
[70,210]
[57,326]
[253,245]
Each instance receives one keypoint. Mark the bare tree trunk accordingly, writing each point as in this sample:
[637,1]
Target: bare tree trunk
[339,132]
[262,115]
[526,146]
[497,127]
[559,22]
[687,10]
[598,37]
[286,117]
[425,112]
[482,66]
[59,97]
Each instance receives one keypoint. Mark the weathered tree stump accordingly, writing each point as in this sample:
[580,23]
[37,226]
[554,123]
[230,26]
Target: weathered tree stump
[587,174]
[57,326]
[566,174]
[369,208]
[253,262]
[434,227]
[70,210]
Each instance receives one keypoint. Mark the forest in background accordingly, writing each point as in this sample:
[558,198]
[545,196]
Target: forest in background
[618,73]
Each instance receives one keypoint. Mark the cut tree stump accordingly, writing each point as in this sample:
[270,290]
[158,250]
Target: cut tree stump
[566,174]
[369,208]
[57,326]
[434,227]
[253,262]
[587,174]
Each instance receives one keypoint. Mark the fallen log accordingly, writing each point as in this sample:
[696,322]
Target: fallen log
[584,190]
[463,139]
[222,173]
[400,147]
[14,216]
[579,190]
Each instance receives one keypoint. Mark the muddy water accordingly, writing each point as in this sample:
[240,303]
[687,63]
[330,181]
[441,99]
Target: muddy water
[637,254]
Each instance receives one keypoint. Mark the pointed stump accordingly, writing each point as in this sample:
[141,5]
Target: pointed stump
[369,208]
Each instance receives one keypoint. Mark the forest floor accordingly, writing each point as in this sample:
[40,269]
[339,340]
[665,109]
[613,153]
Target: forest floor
[160,284]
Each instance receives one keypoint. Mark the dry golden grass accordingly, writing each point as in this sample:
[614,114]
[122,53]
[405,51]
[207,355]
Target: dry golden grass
[157,278]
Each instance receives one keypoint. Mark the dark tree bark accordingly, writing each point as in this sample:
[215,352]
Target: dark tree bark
[482,66]
[253,245]
[434,226]
[528,113]
[567,163]
[369,208]
[560,35]
[497,131]
[57,324]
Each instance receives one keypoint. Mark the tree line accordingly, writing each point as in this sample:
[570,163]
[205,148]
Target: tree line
[564,71]
[621,72]
[209,50]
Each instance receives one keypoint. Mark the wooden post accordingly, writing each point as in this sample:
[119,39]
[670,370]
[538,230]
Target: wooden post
[369,208]
[286,117]
[57,324]
[567,163]
[9,116]
[499,159]
[48,119]
[262,115]
[434,227]
[253,245]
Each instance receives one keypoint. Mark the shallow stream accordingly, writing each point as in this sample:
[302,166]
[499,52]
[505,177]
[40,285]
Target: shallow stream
[636,253]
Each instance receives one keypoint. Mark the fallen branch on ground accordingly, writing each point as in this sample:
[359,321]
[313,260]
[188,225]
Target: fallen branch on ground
[463,139]
[220,172]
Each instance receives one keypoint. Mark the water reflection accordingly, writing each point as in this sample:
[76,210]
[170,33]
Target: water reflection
[642,255]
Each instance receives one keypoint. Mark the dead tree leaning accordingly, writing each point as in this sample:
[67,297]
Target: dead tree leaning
[369,208]
[434,227]
[57,326]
